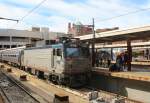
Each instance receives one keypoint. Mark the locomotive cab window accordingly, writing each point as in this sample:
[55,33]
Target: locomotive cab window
[59,52]
[72,52]
[54,52]
[77,52]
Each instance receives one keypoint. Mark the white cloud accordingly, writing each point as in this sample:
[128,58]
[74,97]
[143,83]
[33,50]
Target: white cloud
[64,12]
[58,23]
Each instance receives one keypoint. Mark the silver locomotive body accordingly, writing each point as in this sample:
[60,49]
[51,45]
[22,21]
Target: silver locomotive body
[58,64]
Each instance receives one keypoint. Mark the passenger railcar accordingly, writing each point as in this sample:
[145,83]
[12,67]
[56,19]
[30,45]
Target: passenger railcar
[12,56]
[1,55]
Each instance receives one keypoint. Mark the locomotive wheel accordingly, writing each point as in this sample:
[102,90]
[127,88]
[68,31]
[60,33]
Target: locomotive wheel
[68,82]
[54,79]
[50,78]
[59,82]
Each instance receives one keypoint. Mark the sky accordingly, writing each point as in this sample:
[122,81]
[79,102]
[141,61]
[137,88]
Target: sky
[55,14]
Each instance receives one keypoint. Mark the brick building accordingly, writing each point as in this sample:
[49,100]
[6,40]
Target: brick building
[78,29]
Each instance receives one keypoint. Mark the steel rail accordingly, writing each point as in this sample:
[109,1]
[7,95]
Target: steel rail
[21,87]
[18,85]
[3,92]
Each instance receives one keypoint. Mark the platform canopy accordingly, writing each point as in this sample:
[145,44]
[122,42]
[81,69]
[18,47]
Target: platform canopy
[119,35]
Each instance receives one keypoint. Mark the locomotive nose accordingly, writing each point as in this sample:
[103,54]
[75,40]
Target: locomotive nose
[78,65]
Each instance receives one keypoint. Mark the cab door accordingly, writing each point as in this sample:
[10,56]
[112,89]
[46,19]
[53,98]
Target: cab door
[58,60]
[54,59]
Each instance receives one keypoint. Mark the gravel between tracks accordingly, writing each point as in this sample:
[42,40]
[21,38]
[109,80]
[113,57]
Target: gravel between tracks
[13,93]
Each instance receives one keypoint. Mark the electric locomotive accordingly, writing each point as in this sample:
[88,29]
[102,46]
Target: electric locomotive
[66,62]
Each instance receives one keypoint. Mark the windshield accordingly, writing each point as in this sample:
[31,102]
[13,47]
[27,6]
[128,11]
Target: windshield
[77,52]
[72,52]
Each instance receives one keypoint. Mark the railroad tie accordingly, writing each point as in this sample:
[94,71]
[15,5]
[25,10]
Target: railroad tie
[9,70]
[61,98]
[2,66]
[23,77]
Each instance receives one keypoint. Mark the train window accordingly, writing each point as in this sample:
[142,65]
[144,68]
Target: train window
[85,51]
[54,52]
[59,52]
[73,52]
[47,42]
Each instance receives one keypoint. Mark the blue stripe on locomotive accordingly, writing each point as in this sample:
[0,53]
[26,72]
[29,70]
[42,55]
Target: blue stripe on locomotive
[57,46]
[48,46]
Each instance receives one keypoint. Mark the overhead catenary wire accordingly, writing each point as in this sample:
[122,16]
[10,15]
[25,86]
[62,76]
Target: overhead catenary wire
[28,13]
[37,6]
[122,15]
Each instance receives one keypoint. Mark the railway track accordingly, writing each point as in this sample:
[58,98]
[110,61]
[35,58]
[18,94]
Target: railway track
[14,92]
[105,97]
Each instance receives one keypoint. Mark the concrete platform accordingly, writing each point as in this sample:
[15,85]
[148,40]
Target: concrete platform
[142,63]
[134,85]
[100,70]
[140,76]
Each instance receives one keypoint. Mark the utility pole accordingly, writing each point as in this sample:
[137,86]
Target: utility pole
[129,49]
[93,43]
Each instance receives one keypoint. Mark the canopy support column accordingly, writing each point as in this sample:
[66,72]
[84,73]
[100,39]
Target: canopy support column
[111,54]
[129,49]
